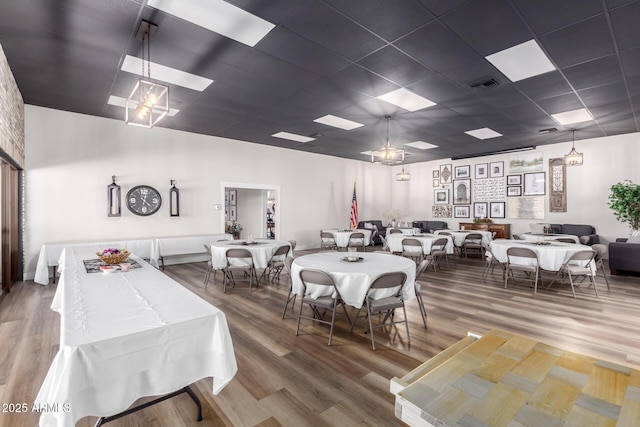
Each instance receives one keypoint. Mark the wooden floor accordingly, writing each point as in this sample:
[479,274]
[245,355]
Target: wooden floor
[296,381]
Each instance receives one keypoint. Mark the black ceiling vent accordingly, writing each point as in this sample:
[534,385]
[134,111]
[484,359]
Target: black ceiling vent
[549,130]
[315,135]
[485,83]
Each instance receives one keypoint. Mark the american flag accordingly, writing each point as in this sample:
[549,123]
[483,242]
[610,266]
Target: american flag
[354,209]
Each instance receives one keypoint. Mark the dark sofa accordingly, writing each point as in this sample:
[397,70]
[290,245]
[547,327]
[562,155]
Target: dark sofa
[429,226]
[382,230]
[578,230]
[624,257]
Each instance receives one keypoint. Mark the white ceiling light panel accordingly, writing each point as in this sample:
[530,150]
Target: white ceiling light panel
[162,73]
[522,61]
[407,100]
[338,122]
[573,116]
[421,145]
[483,133]
[293,137]
[218,16]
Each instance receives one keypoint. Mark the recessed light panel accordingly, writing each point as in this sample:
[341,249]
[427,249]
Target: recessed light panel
[121,102]
[218,16]
[407,100]
[574,116]
[522,61]
[366,153]
[338,122]
[133,65]
[292,137]
[483,133]
[421,145]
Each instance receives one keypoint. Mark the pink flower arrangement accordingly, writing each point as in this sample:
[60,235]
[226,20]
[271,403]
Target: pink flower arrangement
[113,251]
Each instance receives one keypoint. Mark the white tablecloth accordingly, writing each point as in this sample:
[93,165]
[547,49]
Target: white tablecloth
[548,237]
[354,278]
[550,257]
[394,241]
[261,252]
[128,335]
[183,245]
[460,235]
[50,252]
[342,236]
[410,231]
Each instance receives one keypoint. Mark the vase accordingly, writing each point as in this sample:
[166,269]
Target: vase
[393,223]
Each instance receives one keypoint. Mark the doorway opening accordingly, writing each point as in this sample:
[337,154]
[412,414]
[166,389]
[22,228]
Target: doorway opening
[254,206]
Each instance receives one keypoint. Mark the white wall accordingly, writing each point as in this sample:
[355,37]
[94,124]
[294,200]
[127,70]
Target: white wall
[606,161]
[70,159]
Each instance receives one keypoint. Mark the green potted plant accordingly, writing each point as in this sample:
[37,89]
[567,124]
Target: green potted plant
[624,201]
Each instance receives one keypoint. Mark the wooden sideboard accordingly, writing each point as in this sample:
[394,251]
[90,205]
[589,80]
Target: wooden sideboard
[503,231]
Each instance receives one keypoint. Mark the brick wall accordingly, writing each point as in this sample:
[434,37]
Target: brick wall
[11,114]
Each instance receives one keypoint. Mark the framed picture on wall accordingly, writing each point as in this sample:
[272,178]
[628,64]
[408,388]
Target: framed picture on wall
[226,197]
[436,182]
[232,196]
[461,211]
[496,170]
[435,174]
[496,209]
[534,184]
[462,172]
[482,170]
[441,197]
[233,213]
[480,210]
[514,191]
[461,191]
[445,174]
[514,179]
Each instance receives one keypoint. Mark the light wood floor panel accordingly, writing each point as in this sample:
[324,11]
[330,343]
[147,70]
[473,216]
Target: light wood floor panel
[284,380]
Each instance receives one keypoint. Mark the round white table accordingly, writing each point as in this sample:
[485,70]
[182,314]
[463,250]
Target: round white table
[551,257]
[460,235]
[394,241]
[535,237]
[261,250]
[354,278]
[342,236]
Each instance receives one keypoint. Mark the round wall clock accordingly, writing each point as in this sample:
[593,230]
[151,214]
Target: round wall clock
[143,200]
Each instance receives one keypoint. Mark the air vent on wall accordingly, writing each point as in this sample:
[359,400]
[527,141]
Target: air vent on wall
[549,130]
[485,83]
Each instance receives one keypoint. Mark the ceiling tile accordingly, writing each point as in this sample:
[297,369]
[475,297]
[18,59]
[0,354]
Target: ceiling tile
[625,25]
[584,41]
[550,15]
[500,28]
[598,72]
[394,65]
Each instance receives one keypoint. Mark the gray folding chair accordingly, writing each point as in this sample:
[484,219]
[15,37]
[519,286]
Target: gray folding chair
[564,240]
[517,237]
[384,306]
[210,268]
[530,270]
[239,260]
[491,262]
[356,240]
[320,278]
[573,268]
[275,264]
[394,231]
[412,249]
[327,241]
[472,241]
[418,288]
[601,251]
[438,252]
[385,246]
[291,297]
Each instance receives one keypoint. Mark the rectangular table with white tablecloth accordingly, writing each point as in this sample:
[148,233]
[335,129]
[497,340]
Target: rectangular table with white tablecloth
[126,335]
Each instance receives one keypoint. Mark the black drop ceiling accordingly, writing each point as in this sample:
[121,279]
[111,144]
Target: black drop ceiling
[335,57]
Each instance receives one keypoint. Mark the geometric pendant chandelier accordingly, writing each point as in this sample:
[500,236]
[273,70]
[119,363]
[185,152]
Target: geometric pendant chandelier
[148,102]
[573,158]
[388,155]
